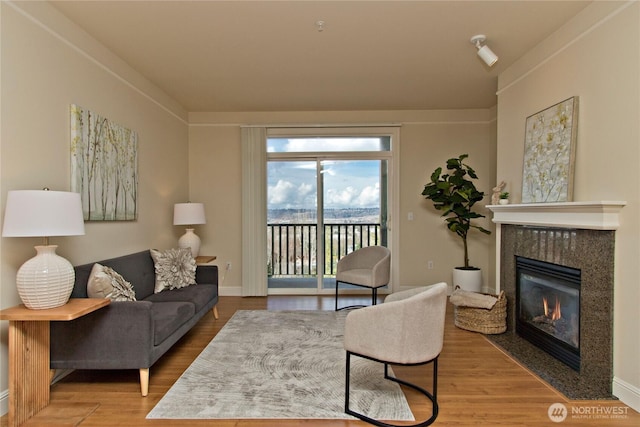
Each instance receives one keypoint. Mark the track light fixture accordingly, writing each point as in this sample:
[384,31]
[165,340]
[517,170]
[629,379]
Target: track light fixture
[484,52]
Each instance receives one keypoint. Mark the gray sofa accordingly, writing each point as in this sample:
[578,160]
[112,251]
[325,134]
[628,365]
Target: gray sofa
[132,334]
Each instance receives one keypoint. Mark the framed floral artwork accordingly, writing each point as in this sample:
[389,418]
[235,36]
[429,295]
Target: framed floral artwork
[549,153]
[104,166]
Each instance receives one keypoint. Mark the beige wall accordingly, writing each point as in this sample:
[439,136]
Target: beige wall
[215,173]
[597,58]
[427,139]
[42,75]
[424,147]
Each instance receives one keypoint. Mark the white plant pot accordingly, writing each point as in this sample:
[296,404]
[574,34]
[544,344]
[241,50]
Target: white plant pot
[468,280]
[504,201]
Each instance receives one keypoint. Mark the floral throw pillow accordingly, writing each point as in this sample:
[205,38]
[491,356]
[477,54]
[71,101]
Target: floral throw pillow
[175,268]
[104,282]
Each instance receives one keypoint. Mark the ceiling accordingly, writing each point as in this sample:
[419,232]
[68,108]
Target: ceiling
[270,55]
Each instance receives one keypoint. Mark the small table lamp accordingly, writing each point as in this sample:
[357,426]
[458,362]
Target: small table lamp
[46,280]
[189,214]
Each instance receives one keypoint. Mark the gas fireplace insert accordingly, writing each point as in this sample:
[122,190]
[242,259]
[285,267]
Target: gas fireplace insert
[548,308]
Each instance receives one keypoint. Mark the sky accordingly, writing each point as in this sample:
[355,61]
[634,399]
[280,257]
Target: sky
[347,183]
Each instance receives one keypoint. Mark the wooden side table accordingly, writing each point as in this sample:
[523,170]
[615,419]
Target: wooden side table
[205,259]
[29,364]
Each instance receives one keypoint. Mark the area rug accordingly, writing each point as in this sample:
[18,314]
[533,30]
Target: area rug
[280,364]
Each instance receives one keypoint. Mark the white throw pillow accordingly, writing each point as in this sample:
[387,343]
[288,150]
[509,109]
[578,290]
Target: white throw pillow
[175,268]
[104,282]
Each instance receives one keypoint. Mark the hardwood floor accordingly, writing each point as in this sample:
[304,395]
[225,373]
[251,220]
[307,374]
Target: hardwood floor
[477,383]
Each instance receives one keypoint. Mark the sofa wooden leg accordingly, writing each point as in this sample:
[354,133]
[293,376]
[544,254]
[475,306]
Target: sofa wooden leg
[144,381]
[215,312]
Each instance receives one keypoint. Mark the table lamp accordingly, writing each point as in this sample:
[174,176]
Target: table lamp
[189,214]
[46,280]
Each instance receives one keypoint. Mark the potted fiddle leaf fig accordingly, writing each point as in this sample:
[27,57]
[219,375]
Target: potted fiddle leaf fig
[455,194]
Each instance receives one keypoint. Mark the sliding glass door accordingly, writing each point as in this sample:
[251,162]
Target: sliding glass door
[326,197]
[354,209]
[292,224]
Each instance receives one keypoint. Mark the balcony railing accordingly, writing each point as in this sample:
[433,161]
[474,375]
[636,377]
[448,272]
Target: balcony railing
[292,248]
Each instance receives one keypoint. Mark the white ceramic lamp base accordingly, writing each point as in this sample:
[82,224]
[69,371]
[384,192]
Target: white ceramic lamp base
[190,240]
[46,280]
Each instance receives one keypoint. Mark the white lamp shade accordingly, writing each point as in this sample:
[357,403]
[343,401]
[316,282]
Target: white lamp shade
[188,214]
[42,213]
[487,55]
[46,280]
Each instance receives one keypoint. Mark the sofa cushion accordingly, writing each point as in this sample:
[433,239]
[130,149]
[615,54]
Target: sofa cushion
[105,282]
[175,268]
[169,316]
[199,295]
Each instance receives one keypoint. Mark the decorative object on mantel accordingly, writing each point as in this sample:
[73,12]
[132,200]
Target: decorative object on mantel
[504,198]
[549,153]
[482,313]
[46,280]
[497,190]
[189,214]
[104,167]
[455,195]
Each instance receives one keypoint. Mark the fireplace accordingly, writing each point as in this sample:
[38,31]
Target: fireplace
[548,308]
[591,252]
[580,237]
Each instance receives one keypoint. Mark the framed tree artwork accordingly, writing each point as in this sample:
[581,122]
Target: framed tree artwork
[104,166]
[549,153]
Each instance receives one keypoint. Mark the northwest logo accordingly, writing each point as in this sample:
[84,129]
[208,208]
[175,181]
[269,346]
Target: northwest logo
[557,412]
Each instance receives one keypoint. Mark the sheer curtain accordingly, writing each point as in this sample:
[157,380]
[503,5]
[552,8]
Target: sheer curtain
[254,211]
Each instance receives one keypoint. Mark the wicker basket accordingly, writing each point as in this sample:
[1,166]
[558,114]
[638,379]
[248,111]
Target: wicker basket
[481,320]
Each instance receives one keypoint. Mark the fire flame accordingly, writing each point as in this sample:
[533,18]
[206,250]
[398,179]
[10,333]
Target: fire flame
[553,314]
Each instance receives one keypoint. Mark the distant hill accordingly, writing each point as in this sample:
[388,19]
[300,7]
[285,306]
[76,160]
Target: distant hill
[335,216]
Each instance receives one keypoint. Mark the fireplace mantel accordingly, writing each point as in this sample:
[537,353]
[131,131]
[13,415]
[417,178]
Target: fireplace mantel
[597,215]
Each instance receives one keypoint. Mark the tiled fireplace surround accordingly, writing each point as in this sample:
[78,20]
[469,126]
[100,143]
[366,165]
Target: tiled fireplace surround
[578,235]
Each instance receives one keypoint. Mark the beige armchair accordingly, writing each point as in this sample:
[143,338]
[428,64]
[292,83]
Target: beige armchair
[408,329]
[368,267]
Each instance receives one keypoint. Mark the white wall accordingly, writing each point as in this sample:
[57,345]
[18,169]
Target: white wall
[596,57]
[47,63]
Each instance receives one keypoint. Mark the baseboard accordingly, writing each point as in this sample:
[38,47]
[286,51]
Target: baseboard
[230,291]
[236,291]
[4,402]
[627,393]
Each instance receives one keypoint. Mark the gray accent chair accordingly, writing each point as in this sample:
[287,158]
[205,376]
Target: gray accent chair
[408,329]
[368,267]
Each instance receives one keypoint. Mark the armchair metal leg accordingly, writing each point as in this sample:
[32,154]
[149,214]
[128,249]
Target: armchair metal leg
[374,297]
[430,396]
